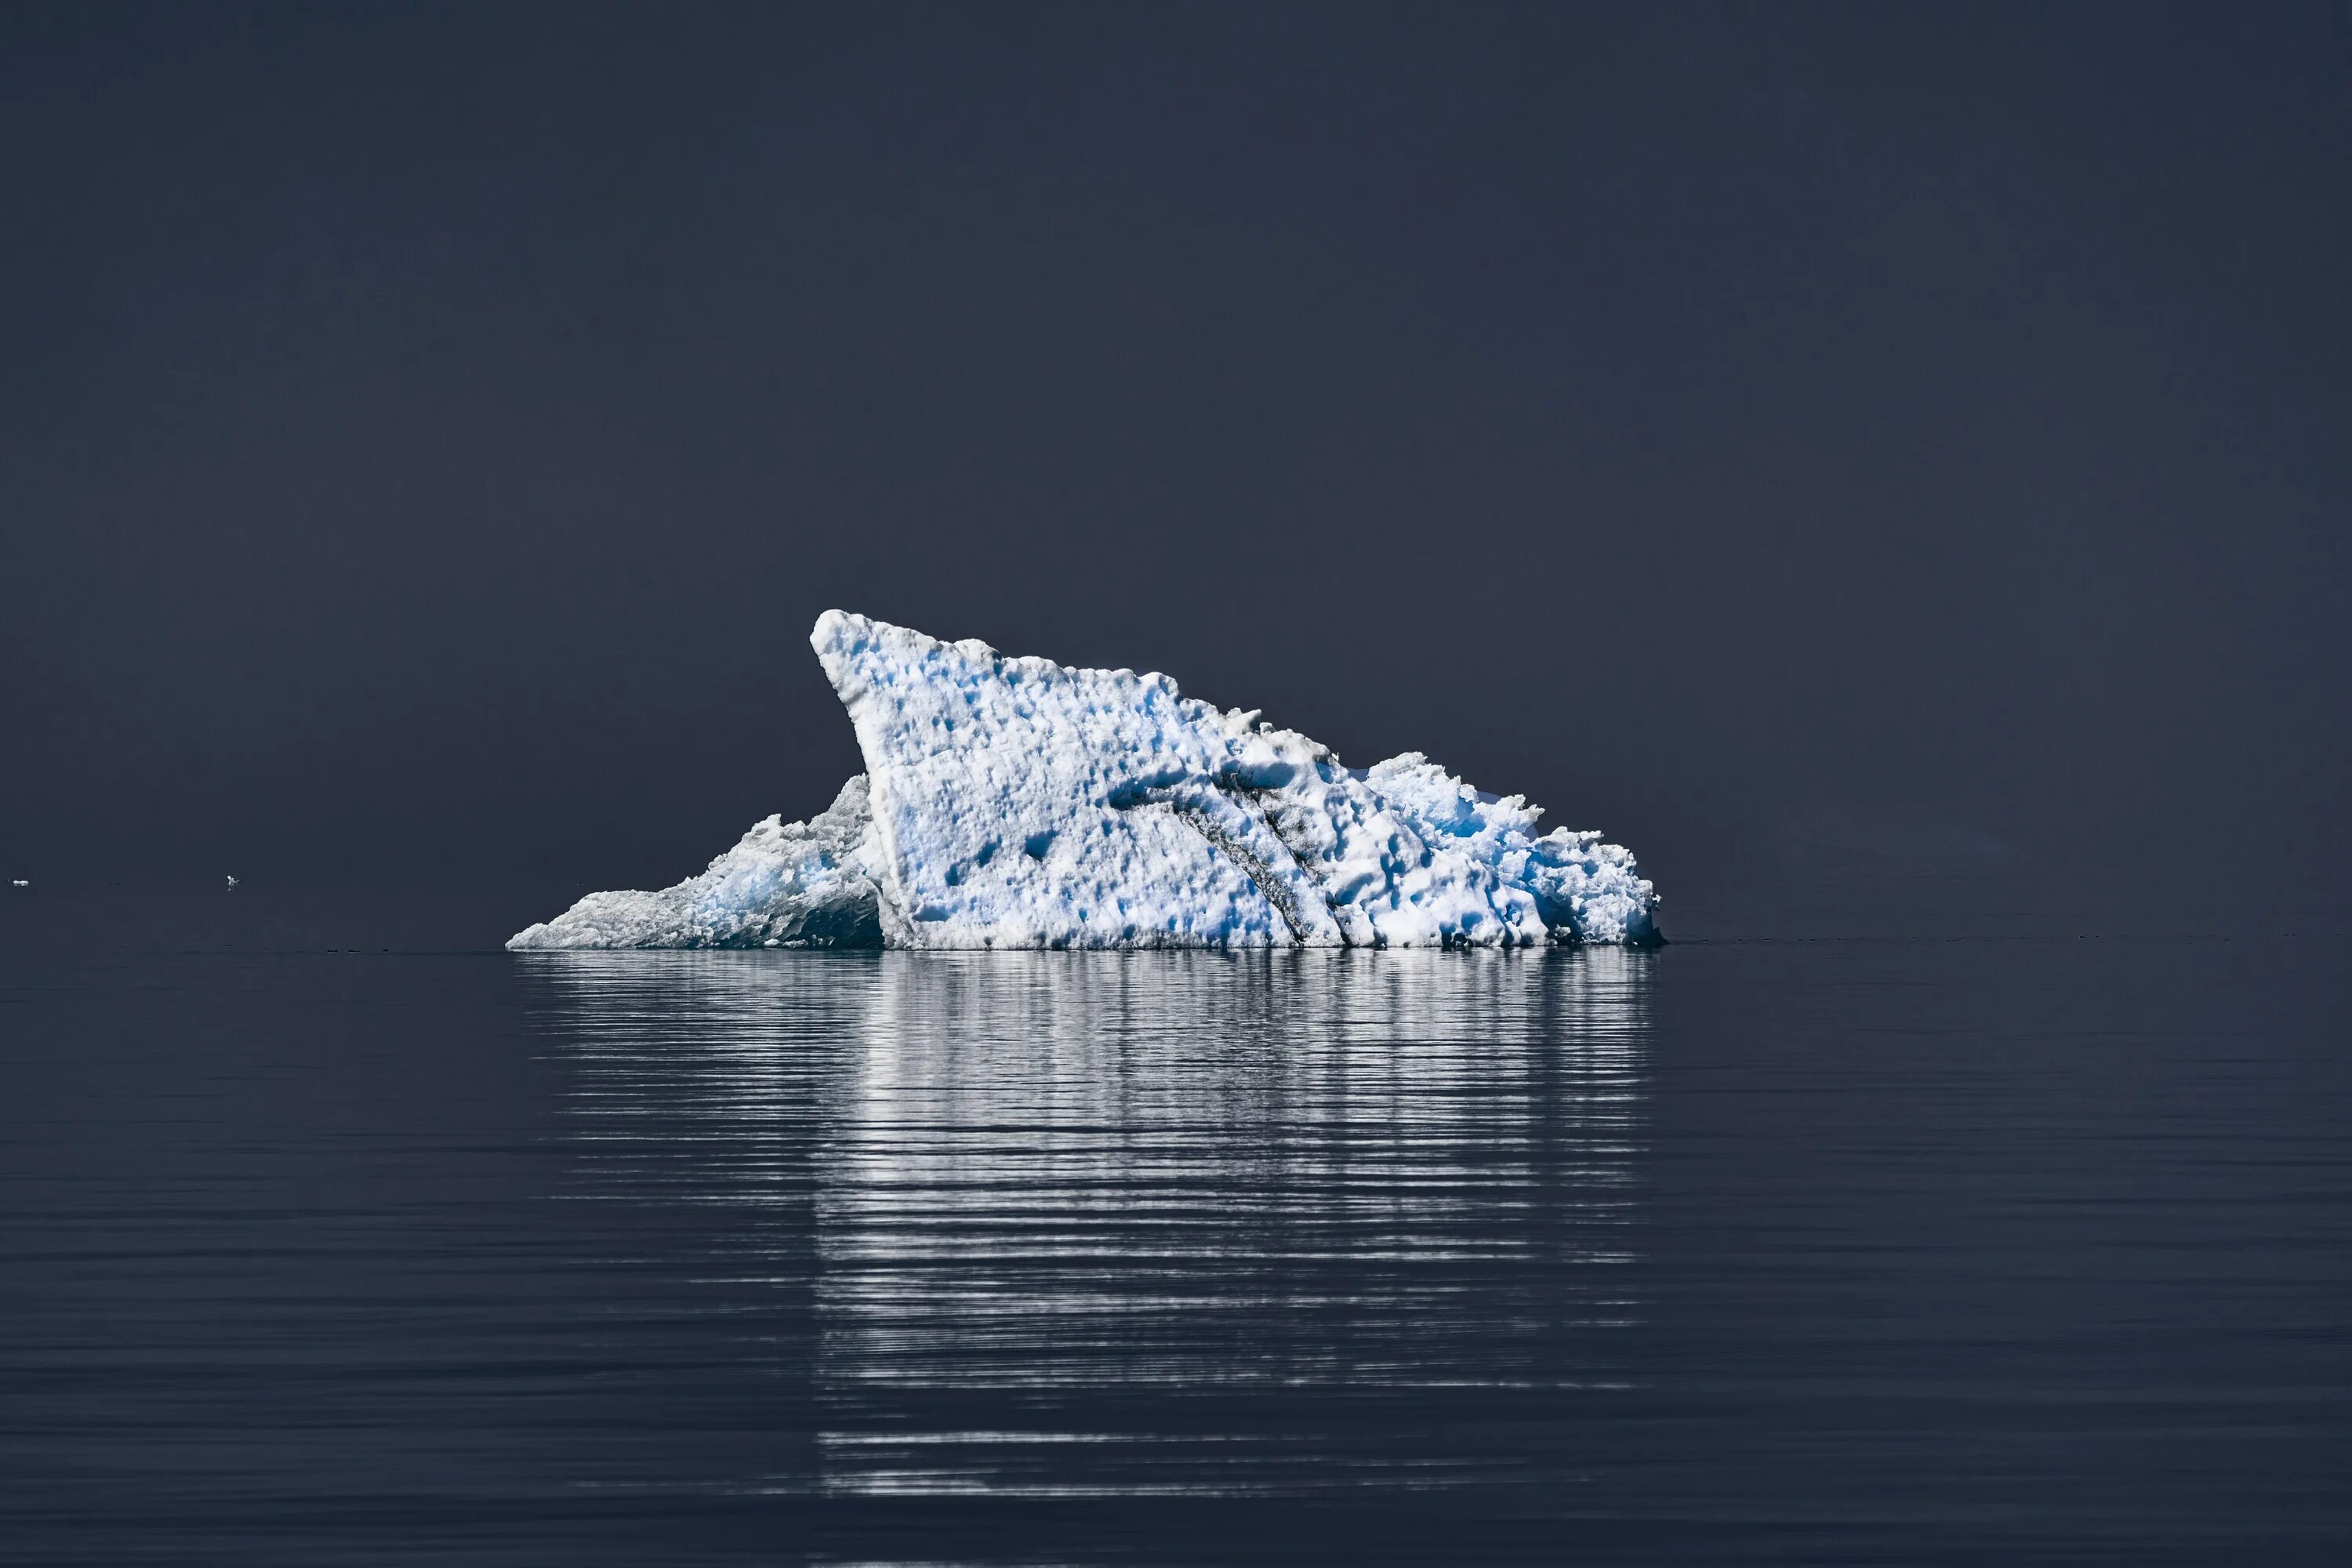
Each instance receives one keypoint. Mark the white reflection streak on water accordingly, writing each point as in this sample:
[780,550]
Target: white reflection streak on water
[1093,1226]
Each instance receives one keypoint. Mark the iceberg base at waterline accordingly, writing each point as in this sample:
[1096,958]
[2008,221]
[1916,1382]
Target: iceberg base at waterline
[1018,803]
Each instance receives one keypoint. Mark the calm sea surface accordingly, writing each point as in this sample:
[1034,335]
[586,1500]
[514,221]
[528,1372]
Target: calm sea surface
[2026,1250]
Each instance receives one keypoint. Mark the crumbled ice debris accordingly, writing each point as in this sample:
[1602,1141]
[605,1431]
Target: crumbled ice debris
[1016,803]
[787,884]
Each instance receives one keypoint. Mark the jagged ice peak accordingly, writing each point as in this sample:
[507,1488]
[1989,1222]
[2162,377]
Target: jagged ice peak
[1019,802]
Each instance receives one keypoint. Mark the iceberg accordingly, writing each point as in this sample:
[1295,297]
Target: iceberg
[1018,803]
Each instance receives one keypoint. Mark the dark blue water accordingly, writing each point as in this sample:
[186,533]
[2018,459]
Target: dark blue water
[2018,1250]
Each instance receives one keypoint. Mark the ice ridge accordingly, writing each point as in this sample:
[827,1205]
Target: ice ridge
[1019,802]
[786,884]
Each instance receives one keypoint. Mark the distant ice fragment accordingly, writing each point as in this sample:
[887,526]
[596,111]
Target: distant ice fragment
[1017,802]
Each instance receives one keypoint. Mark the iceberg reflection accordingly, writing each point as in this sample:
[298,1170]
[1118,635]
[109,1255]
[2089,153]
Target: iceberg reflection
[1084,1225]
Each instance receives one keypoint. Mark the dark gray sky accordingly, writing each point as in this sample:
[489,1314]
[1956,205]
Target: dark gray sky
[427,433]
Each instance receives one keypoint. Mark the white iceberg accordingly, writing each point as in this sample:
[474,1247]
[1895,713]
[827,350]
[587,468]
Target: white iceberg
[1017,802]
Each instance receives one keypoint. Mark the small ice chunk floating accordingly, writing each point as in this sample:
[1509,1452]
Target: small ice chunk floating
[1018,803]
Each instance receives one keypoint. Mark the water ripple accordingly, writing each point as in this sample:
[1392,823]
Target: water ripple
[1227,1206]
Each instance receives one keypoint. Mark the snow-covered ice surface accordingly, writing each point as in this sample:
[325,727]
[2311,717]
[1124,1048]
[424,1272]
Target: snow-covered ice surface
[1017,802]
[787,884]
